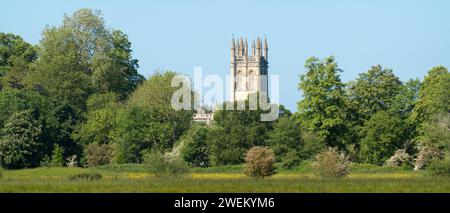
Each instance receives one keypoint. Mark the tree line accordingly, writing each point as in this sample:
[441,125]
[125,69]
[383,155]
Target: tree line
[77,95]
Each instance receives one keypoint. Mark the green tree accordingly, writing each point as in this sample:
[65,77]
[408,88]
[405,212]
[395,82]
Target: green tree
[194,147]
[82,57]
[434,95]
[57,156]
[322,109]
[381,136]
[100,120]
[20,144]
[374,91]
[286,141]
[236,131]
[139,129]
[16,57]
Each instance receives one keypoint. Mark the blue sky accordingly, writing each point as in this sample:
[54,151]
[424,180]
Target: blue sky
[409,36]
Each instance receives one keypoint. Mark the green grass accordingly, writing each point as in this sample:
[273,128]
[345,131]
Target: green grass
[134,178]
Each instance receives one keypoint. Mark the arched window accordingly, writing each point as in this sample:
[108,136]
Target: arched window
[251,81]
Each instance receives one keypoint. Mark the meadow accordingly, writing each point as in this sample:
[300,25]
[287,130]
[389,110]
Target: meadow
[135,178]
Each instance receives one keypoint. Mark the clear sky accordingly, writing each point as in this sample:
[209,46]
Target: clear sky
[409,36]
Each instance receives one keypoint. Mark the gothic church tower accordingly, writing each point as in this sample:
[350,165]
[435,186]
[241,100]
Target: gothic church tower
[248,69]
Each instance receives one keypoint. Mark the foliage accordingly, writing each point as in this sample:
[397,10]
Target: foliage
[16,57]
[286,141]
[57,156]
[234,132]
[381,136]
[322,109]
[434,97]
[330,163]
[20,142]
[82,57]
[426,155]
[374,91]
[165,165]
[86,176]
[440,167]
[149,121]
[435,132]
[98,154]
[194,147]
[400,158]
[260,162]
[101,120]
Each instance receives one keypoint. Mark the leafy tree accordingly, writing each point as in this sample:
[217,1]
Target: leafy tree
[138,130]
[20,144]
[286,141]
[82,57]
[194,147]
[100,120]
[150,120]
[16,56]
[322,109]
[235,131]
[381,136]
[374,91]
[434,97]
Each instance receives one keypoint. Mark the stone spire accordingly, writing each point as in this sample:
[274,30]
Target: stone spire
[233,52]
[266,49]
[253,47]
[241,46]
[245,48]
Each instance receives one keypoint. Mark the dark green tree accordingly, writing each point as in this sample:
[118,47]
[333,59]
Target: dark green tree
[194,147]
[286,141]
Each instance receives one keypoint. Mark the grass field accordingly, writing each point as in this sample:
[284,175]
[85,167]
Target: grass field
[134,178]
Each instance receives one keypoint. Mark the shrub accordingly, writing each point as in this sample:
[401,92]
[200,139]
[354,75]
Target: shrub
[165,165]
[1,173]
[290,160]
[440,167]
[86,176]
[57,156]
[260,162]
[400,158]
[425,156]
[330,163]
[72,161]
[97,155]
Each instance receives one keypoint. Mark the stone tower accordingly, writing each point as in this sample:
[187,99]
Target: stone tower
[248,69]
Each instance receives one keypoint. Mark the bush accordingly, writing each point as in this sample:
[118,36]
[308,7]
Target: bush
[57,156]
[97,155]
[72,161]
[260,162]
[440,167]
[400,158]
[165,165]
[86,176]
[330,163]
[425,156]
[290,160]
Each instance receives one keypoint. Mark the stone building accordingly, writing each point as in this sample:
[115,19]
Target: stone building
[248,70]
